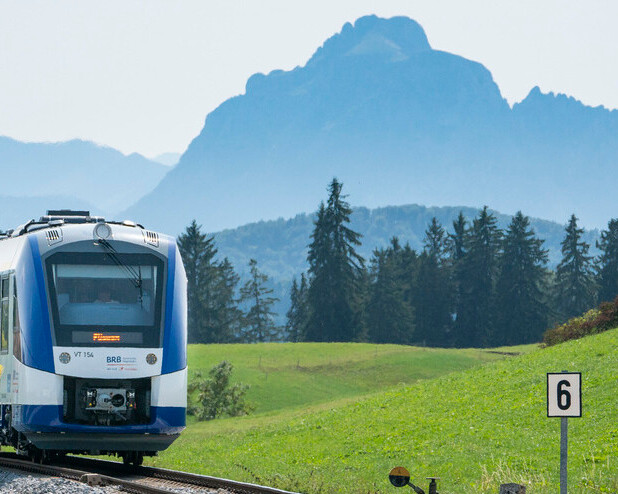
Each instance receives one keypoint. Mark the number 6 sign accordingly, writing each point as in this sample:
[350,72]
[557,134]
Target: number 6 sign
[564,394]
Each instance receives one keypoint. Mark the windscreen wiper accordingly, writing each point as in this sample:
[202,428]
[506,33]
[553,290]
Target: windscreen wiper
[135,276]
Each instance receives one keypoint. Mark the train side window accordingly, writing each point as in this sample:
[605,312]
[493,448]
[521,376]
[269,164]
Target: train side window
[16,326]
[4,315]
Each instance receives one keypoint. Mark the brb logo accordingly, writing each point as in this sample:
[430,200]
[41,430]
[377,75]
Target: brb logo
[113,360]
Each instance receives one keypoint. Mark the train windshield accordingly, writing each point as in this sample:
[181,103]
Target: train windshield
[103,300]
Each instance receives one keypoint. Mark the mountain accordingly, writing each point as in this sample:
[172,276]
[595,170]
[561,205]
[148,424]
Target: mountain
[81,171]
[167,159]
[397,122]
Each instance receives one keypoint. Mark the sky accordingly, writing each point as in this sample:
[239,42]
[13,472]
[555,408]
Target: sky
[141,76]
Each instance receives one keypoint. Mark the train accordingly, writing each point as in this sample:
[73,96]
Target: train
[93,338]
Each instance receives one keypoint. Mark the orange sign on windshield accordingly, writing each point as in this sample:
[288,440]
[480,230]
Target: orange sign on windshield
[105,337]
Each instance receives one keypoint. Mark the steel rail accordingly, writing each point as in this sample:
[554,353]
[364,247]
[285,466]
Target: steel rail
[78,475]
[94,471]
[189,479]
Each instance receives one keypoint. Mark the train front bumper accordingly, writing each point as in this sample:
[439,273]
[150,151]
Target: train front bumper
[43,426]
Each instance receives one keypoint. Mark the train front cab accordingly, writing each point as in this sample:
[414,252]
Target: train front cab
[87,375]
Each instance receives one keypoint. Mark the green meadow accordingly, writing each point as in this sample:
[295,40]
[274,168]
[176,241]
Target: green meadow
[338,417]
[284,376]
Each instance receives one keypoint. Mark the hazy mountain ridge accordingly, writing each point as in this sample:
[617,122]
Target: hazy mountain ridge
[81,171]
[280,246]
[396,121]
[167,159]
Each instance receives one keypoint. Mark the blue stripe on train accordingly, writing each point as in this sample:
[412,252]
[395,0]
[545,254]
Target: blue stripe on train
[47,418]
[174,337]
[34,313]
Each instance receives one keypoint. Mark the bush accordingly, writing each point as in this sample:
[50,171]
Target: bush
[594,321]
[213,396]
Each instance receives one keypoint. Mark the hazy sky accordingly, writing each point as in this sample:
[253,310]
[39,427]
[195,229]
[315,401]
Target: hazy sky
[142,75]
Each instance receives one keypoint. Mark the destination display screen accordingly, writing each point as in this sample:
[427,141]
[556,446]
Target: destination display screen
[94,337]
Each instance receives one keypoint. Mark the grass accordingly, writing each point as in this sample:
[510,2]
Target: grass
[475,428]
[296,375]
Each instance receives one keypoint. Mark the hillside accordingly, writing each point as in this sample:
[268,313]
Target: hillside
[82,172]
[288,376]
[280,246]
[398,122]
[474,428]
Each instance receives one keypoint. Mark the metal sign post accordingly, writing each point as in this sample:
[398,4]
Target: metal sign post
[564,447]
[564,400]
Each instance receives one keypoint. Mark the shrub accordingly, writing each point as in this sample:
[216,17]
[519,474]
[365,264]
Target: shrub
[214,397]
[594,321]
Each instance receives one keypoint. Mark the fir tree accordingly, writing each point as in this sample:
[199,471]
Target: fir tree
[213,314]
[575,286]
[521,309]
[389,315]
[435,242]
[457,246]
[336,273]
[608,262]
[433,298]
[458,238]
[197,251]
[227,317]
[297,314]
[478,278]
[259,324]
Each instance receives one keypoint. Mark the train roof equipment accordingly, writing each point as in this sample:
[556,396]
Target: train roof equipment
[58,217]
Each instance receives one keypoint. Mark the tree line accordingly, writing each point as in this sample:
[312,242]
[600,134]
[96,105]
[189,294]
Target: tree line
[473,285]
[215,300]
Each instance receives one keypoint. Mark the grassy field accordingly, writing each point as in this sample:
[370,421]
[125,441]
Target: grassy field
[295,375]
[475,428]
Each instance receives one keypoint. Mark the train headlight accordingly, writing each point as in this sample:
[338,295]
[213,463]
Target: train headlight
[130,398]
[102,231]
[91,398]
[64,358]
[151,358]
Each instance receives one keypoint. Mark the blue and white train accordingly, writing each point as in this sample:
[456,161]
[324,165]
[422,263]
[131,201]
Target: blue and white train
[93,338]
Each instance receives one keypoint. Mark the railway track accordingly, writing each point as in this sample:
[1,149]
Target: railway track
[140,480]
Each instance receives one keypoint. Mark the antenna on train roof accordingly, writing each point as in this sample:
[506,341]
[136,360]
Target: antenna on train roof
[66,212]
[70,216]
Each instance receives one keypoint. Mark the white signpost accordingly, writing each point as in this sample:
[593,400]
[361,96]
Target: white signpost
[564,399]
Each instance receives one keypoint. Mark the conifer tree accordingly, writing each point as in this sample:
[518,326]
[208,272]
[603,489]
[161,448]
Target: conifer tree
[259,323]
[406,260]
[436,241]
[575,285]
[521,308]
[197,251]
[297,314]
[433,298]
[458,238]
[213,314]
[389,315]
[608,262]
[457,246]
[477,285]
[227,317]
[336,273]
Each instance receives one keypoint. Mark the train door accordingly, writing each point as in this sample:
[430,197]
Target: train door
[5,336]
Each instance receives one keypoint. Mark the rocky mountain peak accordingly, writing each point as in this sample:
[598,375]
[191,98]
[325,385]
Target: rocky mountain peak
[394,39]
